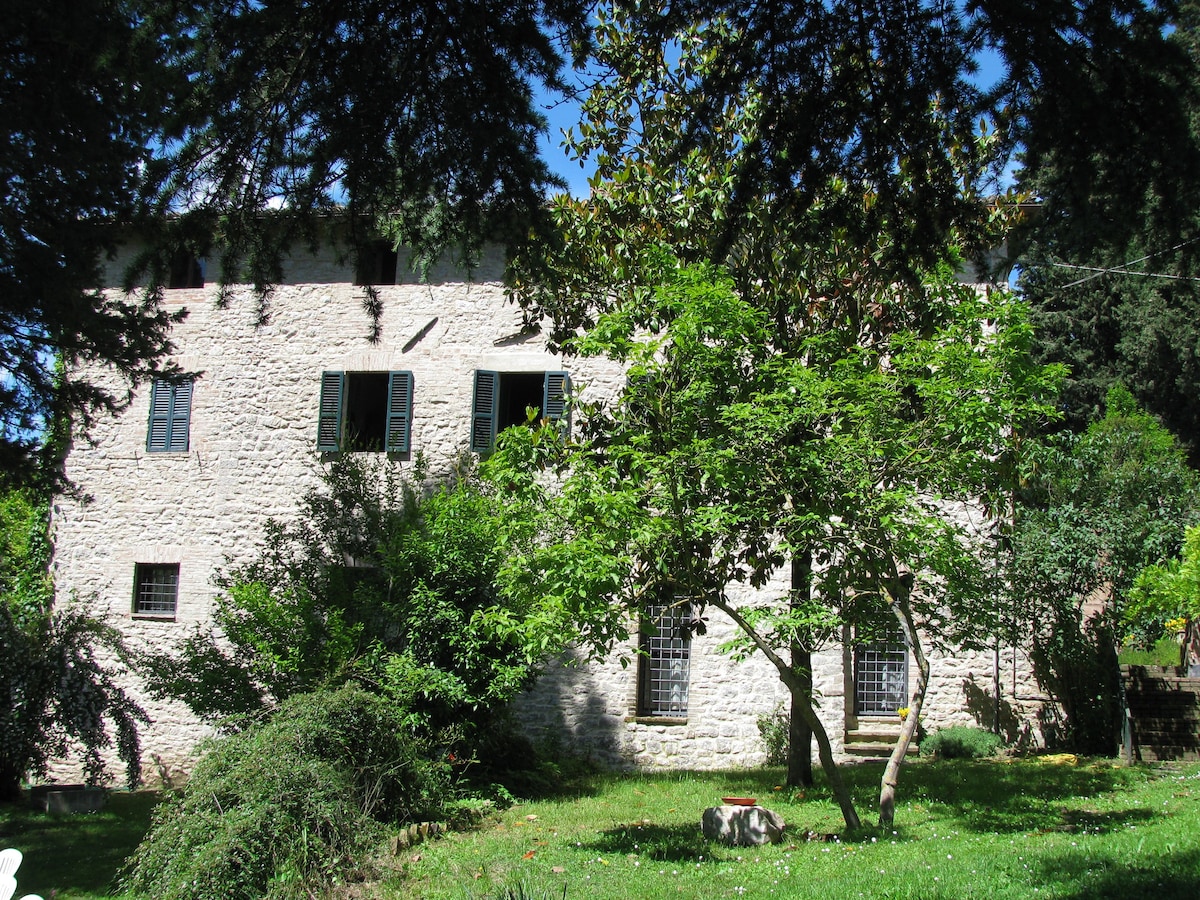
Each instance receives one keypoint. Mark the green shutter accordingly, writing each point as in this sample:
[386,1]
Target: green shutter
[160,416]
[329,422]
[555,391]
[399,412]
[181,413]
[485,410]
[170,415]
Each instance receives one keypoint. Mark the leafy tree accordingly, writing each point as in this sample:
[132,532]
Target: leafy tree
[1113,255]
[79,100]
[1168,594]
[236,129]
[59,696]
[1094,511]
[416,119]
[377,580]
[824,154]
[723,457]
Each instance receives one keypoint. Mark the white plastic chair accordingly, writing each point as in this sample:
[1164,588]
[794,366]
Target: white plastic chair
[10,861]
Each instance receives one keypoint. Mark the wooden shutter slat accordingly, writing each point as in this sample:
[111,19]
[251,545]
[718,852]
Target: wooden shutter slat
[399,412]
[329,418]
[484,410]
[555,391]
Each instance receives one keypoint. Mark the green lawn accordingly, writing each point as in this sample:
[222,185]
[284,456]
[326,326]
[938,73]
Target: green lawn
[989,830]
[1025,829]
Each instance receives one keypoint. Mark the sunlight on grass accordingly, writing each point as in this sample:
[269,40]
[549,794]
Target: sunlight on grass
[1055,827]
[990,829]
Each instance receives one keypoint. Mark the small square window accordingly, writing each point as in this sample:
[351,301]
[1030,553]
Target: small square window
[378,263]
[187,271]
[155,589]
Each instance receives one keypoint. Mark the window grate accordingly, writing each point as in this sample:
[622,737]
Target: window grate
[881,676]
[665,665]
[156,590]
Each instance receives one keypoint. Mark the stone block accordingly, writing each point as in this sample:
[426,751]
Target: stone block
[742,826]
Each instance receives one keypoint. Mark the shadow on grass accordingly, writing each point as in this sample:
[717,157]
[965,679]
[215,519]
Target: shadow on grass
[80,853]
[662,843]
[1173,876]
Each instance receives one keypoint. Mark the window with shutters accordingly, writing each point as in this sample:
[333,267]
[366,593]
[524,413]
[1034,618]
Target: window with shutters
[664,663]
[187,271]
[503,399]
[155,589]
[170,415]
[365,412]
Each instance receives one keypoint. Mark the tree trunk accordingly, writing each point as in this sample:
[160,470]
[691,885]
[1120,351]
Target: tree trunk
[891,772]
[800,734]
[803,702]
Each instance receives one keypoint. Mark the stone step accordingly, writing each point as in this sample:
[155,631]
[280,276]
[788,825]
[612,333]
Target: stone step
[875,749]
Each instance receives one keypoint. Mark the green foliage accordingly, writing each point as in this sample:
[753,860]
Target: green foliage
[282,809]
[58,695]
[1111,265]
[773,729]
[961,742]
[725,456]
[82,69]
[1166,597]
[1092,512]
[378,579]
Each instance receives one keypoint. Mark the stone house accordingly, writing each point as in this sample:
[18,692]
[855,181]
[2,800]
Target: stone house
[184,477]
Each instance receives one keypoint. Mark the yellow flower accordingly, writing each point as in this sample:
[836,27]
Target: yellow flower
[902,712]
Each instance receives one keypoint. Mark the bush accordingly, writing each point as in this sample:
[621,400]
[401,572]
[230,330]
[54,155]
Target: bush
[961,742]
[56,696]
[773,729]
[284,808]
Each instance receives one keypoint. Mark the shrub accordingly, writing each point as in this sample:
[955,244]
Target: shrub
[283,808]
[56,695]
[961,742]
[773,729]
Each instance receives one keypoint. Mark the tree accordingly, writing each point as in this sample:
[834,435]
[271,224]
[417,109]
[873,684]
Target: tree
[238,129]
[1111,260]
[1092,512]
[80,98]
[722,457]
[58,694]
[416,120]
[378,581]
[824,154]
[1169,593]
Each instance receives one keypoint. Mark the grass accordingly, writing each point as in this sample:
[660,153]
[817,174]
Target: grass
[1023,829]
[1054,828]
[1164,653]
[76,856]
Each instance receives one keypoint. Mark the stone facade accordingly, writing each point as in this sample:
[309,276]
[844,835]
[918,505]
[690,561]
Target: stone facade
[252,452]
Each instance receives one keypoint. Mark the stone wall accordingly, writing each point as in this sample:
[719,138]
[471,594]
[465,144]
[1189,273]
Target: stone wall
[252,454]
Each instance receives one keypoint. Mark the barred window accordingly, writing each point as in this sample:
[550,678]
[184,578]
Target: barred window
[881,675]
[155,589]
[665,662]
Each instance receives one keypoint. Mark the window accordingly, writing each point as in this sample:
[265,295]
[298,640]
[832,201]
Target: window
[187,271]
[664,663]
[502,399]
[170,415]
[365,412]
[377,264]
[881,675]
[155,589]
